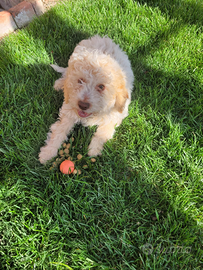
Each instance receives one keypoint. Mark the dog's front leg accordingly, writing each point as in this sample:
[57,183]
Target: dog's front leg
[58,133]
[102,135]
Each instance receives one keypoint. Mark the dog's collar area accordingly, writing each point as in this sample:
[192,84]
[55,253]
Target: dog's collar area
[83,114]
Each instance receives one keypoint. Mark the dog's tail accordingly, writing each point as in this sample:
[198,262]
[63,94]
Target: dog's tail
[58,69]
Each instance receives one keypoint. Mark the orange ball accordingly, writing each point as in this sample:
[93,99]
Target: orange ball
[67,167]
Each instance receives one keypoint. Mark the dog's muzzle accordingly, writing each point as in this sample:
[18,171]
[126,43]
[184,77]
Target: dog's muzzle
[83,106]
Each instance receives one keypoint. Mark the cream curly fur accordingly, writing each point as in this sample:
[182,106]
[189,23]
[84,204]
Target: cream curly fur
[97,87]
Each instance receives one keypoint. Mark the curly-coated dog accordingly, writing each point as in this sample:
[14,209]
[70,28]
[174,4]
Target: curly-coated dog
[97,87]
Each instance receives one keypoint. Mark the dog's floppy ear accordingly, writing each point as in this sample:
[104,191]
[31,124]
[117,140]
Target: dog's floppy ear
[62,84]
[121,93]
[121,96]
[59,84]
[67,90]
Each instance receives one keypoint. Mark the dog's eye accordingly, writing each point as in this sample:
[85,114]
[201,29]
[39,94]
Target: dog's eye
[100,87]
[81,81]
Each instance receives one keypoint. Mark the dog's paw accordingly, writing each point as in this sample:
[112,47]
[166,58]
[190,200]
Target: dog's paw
[95,147]
[46,153]
[94,152]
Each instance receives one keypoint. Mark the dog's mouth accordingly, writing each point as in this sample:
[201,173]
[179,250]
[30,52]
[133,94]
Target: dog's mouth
[83,114]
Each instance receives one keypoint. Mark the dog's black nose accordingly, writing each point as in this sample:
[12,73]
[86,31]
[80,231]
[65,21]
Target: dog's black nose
[83,105]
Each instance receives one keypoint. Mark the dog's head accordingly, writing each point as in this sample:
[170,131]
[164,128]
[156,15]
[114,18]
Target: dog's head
[94,83]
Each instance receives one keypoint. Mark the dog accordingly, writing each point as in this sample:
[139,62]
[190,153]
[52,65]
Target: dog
[97,86]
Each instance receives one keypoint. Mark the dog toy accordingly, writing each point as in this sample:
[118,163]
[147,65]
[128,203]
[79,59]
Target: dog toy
[67,167]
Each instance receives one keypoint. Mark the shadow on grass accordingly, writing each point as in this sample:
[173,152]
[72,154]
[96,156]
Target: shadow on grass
[187,12]
[103,208]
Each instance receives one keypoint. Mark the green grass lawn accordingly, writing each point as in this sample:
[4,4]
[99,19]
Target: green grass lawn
[139,206]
